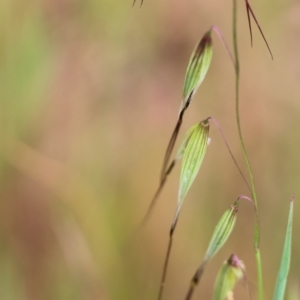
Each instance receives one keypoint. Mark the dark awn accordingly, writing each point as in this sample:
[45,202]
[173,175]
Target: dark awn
[135,1]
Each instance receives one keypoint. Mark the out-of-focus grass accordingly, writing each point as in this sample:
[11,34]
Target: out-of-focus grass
[89,94]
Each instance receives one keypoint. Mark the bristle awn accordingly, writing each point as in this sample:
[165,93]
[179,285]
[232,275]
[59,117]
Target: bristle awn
[217,30]
[218,239]
[247,285]
[156,195]
[142,1]
[193,151]
[249,9]
[249,22]
[171,144]
[230,152]
[246,198]
[170,149]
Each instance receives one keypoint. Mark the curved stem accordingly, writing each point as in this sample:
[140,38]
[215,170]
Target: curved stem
[253,191]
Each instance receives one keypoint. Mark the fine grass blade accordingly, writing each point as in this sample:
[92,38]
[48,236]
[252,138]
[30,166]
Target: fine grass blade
[286,257]
[229,274]
[192,150]
[219,237]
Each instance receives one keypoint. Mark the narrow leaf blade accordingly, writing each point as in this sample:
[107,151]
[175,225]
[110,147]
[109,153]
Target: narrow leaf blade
[286,258]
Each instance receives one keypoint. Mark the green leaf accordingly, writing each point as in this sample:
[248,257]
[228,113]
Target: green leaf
[197,68]
[286,258]
[195,149]
[222,231]
[231,271]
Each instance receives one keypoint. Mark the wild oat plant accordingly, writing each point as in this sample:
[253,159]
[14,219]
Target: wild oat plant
[192,152]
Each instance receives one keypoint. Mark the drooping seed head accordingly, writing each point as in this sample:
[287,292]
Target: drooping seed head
[232,270]
[197,68]
[193,154]
[222,231]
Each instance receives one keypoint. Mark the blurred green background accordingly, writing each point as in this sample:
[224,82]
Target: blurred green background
[89,96]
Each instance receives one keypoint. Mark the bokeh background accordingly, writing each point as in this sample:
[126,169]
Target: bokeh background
[89,95]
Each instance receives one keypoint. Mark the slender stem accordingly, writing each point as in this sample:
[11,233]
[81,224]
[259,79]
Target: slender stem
[237,79]
[195,280]
[259,274]
[164,274]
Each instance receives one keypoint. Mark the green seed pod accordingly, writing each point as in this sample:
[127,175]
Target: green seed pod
[229,274]
[219,237]
[197,68]
[222,231]
[194,149]
[185,141]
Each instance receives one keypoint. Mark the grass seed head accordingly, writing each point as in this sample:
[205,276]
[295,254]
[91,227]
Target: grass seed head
[231,271]
[193,151]
[197,68]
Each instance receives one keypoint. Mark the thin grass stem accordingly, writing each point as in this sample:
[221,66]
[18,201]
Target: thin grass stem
[166,263]
[195,280]
[254,197]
